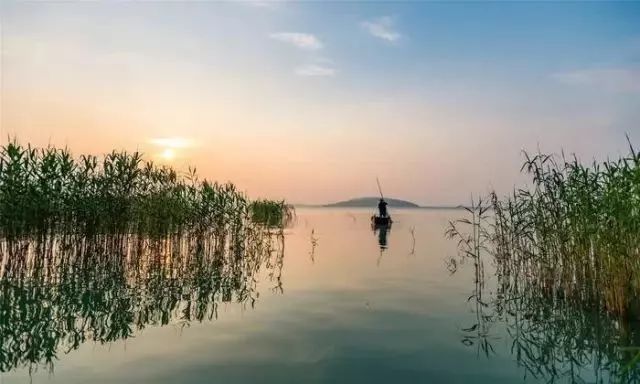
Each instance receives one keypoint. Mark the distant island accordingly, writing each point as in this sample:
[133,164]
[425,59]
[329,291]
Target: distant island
[373,202]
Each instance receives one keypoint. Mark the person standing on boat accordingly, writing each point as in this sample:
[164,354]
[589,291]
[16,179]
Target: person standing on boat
[382,207]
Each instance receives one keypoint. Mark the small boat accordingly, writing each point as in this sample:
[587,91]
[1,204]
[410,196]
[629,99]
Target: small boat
[379,221]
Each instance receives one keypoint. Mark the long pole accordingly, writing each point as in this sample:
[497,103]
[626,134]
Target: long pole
[379,189]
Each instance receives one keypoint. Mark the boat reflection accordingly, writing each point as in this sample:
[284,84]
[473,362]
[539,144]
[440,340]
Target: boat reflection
[381,230]
[58,292]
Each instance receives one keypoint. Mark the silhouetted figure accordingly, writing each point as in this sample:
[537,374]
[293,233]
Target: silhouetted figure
[382,207]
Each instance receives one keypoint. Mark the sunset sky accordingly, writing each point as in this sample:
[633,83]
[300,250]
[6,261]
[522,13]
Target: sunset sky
[312,101]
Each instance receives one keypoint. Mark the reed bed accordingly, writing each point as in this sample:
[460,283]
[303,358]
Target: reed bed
[566,257]
[139,243]
[271,213]
[575,232]
[48,189]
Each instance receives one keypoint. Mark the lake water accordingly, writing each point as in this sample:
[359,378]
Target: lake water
[336,307]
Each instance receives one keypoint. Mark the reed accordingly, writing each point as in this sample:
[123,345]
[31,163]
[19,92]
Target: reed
[574,232]
[271,213]
[566,253]
[50,190]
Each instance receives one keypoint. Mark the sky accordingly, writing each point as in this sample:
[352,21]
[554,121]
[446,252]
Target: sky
[311,101]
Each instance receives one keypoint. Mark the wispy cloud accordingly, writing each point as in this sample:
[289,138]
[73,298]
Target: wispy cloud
[297,39]
[315,70]
[171,142]
[382,28]
[263,3]
[609,79]
[317,66]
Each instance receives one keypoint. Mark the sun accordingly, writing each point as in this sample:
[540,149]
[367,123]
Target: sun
[168,154]
[170,148]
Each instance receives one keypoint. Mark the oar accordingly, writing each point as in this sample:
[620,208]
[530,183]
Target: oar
[379,189]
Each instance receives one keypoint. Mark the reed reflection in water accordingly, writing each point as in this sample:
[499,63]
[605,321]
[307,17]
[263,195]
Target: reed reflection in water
[58,292]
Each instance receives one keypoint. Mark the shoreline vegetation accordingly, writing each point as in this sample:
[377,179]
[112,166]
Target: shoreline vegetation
[146,245]
[48,189]
[570,242]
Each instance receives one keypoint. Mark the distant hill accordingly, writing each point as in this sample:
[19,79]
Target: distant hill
[373,202]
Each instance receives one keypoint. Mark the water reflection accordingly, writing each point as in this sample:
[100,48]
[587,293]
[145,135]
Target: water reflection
[58,292]
[381,231]
[550,332]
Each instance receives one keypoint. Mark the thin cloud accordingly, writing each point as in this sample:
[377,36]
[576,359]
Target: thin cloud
[263,4]
[315,70]
[300,40]
[382,28]
[609,79]
[171,142]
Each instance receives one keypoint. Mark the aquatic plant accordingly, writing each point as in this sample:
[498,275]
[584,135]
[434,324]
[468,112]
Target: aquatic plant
[576,231]
[568,244]
[271,213]
[92,248]
[49,189]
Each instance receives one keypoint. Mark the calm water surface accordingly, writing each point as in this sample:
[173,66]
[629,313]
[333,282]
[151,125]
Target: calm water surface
[336,308]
